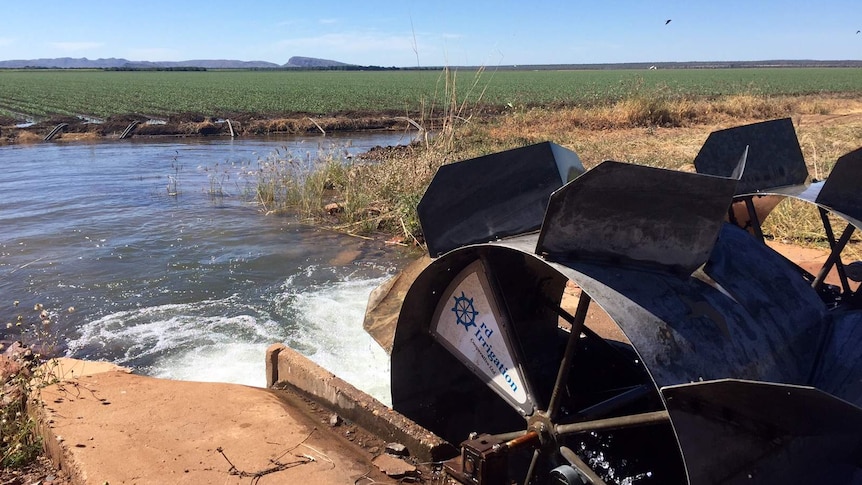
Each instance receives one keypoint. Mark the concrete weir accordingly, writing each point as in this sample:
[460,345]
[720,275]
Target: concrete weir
[286,368]
[101,423]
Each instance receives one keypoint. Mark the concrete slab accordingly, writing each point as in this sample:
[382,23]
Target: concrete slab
[103,424]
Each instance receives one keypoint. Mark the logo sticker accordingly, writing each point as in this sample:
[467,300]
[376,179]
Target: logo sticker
[468,324]
[464,311]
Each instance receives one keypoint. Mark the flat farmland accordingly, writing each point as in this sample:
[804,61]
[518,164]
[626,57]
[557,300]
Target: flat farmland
[40,94]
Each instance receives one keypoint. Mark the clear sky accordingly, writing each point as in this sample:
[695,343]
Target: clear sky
[407,33]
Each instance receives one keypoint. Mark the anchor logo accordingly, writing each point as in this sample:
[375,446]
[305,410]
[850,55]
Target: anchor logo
[465,313]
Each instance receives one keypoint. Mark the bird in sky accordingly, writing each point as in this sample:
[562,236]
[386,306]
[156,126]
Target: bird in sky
[668,21]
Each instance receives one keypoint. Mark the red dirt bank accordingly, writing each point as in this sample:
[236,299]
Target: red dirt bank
[192,124]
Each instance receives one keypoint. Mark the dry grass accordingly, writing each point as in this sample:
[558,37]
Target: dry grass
[620,132]
[663,133]
[380,193]
[799,223]
[85,136]
[25,369]
[28,137]
[305,124]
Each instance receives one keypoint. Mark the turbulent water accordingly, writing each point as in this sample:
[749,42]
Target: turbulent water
[167,278]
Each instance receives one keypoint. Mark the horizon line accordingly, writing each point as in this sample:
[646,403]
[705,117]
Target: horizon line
[797,60]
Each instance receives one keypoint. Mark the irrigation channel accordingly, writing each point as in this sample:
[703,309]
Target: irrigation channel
[173,271]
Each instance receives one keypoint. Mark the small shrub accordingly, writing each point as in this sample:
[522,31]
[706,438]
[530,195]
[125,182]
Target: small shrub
[24,371]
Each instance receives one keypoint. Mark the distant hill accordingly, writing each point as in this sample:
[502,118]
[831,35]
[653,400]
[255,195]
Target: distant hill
[298,62]
[313,62]
[64,63]
[119,63]
[204,64]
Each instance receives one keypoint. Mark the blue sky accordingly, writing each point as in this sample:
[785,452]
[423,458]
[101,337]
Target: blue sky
[408,33]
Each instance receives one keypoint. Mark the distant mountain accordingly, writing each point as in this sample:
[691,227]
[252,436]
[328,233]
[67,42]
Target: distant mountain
[115,63]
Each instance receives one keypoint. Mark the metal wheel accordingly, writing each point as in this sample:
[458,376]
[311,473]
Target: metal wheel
[547,435]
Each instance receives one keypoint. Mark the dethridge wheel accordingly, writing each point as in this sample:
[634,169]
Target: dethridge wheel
[518,376]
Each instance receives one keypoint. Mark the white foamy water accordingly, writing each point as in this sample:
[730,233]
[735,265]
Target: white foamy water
[237,363]
[226,340]
[331,334]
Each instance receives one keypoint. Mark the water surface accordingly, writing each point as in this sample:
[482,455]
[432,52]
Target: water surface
[173,281]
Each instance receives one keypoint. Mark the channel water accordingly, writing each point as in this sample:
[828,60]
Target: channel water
[154,255]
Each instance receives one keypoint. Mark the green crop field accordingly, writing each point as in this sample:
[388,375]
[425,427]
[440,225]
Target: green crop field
[36,94]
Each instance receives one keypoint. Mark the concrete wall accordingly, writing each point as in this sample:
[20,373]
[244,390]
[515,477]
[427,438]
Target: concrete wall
[286,368]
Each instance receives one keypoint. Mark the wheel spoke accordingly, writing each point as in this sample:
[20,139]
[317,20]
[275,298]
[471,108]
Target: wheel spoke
[581,466]
[530,471]
[569,355]
[628,421]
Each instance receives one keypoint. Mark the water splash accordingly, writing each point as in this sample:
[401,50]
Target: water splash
[225,340]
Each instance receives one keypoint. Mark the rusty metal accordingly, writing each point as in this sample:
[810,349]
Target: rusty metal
[530,438]
[482,461]
[620,422]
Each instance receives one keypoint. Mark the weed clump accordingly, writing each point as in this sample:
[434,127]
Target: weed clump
[25,368]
